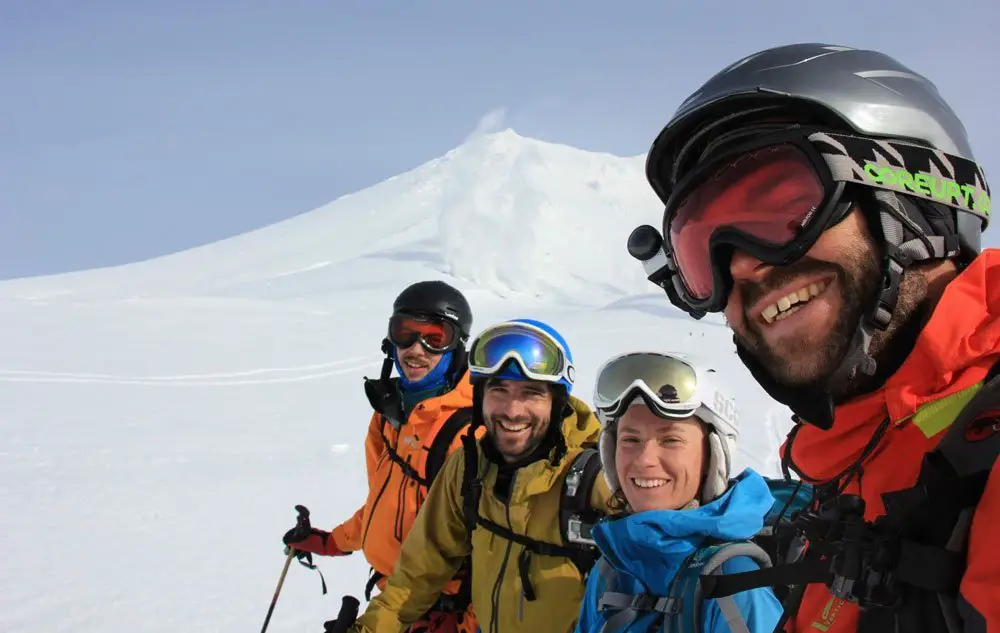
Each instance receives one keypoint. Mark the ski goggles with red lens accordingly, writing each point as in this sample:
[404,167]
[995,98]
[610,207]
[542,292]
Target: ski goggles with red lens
[435,335]
[774,196]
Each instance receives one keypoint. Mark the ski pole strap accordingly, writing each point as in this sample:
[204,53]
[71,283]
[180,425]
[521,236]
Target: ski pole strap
[302,557]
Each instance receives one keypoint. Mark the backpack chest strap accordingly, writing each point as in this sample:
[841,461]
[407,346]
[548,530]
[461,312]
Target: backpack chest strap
[681,608]
[642,602]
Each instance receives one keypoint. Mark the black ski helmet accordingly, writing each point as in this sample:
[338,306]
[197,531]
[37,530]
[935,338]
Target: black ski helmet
[436,299]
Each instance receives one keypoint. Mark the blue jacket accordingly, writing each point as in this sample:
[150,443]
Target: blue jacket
[646,550]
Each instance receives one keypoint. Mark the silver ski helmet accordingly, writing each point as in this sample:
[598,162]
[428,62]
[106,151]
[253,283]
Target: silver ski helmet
[864,118]
[862,92]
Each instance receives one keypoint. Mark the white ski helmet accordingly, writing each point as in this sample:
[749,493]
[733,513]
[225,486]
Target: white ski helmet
[673,386]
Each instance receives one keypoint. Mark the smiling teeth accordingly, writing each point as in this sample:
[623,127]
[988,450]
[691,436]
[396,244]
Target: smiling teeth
[514,428]
[648,483]
[778,311]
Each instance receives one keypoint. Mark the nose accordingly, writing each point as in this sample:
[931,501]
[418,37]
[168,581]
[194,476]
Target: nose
[647,455]
[513,407]
[745,267]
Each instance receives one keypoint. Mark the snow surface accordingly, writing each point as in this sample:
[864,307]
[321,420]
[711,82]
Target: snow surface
[161,419]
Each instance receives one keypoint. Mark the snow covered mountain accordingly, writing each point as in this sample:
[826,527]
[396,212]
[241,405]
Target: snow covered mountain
[160,420]
[510,215]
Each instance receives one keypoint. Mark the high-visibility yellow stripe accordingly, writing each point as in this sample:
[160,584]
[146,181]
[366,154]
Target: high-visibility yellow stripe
[934,417]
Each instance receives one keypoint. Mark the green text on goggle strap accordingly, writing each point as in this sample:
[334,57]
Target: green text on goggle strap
[929,186]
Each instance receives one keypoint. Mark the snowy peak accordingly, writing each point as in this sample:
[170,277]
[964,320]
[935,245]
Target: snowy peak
[506,214]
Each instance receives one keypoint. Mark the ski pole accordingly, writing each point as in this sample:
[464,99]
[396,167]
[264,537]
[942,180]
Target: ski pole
[281,581]
[302,521]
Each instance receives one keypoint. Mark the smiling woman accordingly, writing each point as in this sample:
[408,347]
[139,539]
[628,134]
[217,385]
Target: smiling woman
[665,448]
[660,463]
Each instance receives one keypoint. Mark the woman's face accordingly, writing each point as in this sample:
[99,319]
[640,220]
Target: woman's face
[659,462]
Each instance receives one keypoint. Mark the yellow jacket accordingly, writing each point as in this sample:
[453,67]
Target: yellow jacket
[438,541]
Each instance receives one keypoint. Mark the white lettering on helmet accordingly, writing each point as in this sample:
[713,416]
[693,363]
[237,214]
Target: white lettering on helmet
[726,409]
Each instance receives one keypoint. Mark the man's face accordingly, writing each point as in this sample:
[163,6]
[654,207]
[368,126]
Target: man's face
[798,320]
[415,361]
[517,415]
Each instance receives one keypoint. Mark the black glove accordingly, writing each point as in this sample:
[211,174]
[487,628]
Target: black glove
[302,531]
[330,626]
[297,534]
[346,618]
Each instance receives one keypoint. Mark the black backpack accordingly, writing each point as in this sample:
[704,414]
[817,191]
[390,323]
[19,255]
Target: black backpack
[576,518]
[904,568]
[383,395]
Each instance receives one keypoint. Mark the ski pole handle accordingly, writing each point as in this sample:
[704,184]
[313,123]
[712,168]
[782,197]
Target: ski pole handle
[347,615]
[303,518]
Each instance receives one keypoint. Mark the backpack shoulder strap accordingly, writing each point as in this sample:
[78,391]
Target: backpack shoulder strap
[685,596]
[935,515]
[607,573]
[438,452]
[472,484]
[626,607]
[972,442]
[577,487]
[953,476]
[582,555]
[576,517]
[681,608]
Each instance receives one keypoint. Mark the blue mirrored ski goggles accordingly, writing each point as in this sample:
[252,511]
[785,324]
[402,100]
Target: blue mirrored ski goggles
[537,355]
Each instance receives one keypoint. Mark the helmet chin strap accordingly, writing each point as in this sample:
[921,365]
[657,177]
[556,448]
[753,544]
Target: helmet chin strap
[907,238]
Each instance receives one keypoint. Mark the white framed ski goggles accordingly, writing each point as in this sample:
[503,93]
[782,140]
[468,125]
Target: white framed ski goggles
[537,355]
[670,386]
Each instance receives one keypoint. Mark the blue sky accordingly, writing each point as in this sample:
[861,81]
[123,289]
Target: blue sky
[135,128]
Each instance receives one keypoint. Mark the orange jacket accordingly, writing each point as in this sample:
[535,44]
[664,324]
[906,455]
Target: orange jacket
[954,351]
[380,525]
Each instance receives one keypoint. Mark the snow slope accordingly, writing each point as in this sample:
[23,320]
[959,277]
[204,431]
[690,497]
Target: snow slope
[160,420]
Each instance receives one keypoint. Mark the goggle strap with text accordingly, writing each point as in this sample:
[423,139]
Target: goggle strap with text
[906,168]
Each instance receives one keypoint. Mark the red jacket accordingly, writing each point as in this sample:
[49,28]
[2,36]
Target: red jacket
[954,351]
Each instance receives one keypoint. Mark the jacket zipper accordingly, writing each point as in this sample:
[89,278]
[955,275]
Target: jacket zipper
[378,497]
[498,587]
[401,506]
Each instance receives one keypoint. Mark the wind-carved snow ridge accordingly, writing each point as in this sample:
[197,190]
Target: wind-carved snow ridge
[520,216]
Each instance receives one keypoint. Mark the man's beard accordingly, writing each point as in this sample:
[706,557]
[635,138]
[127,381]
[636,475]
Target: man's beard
[537,433]
[859,284]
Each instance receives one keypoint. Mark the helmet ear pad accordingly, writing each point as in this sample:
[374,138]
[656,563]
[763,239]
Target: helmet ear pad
[606,445]
[717,468]
[929,218]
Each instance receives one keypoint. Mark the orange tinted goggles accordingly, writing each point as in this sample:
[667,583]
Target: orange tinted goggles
[435,335]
